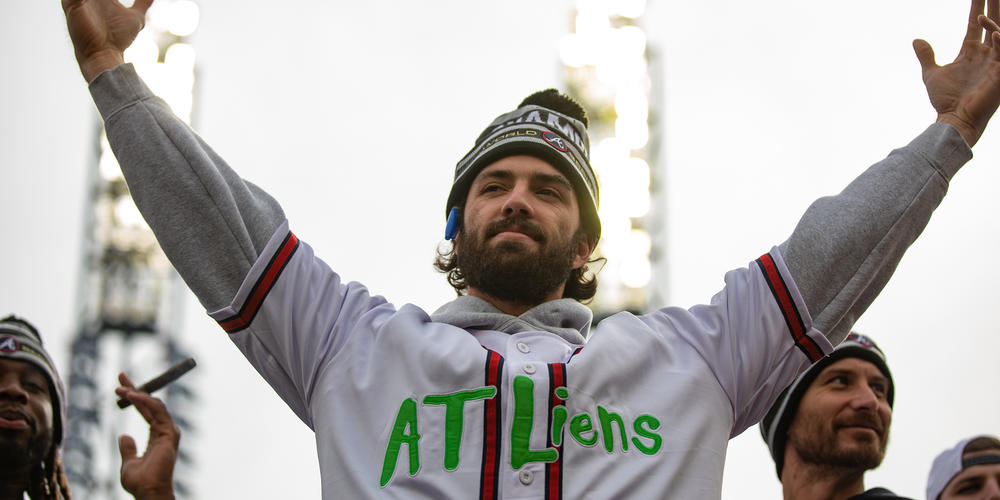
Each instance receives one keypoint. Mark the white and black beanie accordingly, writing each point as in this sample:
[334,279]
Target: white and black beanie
[20,340]
[536,130]
[774,426]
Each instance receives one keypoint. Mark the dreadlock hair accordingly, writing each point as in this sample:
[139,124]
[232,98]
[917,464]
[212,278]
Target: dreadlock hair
[48,480]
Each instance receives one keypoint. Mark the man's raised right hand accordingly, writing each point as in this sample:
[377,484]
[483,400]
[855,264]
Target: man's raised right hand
[101,30]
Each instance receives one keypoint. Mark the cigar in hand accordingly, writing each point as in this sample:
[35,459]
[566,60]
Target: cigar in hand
[172,373]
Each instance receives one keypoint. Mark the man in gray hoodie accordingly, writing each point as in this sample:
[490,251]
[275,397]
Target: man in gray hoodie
[504,392]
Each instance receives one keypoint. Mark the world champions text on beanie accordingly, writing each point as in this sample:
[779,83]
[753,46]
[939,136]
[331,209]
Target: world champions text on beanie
[20,341]
[774,426]
[534,129]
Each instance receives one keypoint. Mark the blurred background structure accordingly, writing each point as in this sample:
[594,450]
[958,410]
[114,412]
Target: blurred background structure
[129,298]
[609,69]
[353,115]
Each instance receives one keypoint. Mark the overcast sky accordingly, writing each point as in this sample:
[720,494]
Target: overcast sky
[354,114]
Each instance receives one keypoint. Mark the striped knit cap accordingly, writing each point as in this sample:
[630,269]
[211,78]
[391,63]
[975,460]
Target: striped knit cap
[20,341]
[774,426]
[541,132]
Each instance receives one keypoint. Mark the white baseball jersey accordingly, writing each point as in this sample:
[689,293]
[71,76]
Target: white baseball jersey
[469,402]
[406,407]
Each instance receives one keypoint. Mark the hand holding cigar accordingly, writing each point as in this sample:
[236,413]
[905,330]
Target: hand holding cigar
[150,475]
[172,373]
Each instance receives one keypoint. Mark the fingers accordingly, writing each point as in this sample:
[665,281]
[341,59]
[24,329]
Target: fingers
[125,381]
[991,27]
[992,38]
[126,446]
[152,409]
[974,32]
[992,6]
[141,6]
[162,430]
[925,54]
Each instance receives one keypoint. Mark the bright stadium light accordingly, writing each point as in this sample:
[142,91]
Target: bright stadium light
[605,59]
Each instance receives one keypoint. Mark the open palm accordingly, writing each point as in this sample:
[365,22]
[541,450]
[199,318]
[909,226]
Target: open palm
[966,92]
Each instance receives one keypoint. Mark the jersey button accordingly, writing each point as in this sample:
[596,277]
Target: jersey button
[526,477]
[529,369]
[521,346]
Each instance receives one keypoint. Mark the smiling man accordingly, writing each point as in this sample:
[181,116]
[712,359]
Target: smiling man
[504,392]
[832,424]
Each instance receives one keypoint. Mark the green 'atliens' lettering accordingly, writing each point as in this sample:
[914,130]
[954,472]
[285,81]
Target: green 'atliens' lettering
[559,416]
[607,418]
[520,434]
[580,424]
[651,424]
[454,409]
[407,417]
[583,428]
[558,421]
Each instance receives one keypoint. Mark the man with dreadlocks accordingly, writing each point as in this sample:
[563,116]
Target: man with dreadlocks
[32,412]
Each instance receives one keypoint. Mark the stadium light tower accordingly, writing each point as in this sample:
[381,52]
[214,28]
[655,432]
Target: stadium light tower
[128,298]
[607,66]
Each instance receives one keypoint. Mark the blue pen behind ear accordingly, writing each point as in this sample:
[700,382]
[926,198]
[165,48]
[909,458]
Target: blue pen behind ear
[454,223]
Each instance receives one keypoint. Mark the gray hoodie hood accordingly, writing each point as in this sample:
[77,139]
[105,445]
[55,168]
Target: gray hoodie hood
[566,318]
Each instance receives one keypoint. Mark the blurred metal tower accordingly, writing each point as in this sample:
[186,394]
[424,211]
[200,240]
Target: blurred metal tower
[607,68]
[129,297]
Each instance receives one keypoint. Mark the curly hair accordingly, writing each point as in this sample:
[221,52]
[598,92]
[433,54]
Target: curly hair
[581,284]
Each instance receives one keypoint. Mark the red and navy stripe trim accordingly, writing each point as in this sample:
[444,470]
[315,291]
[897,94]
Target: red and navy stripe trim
[793,319]
[264,284]
[554,470]
[489,482]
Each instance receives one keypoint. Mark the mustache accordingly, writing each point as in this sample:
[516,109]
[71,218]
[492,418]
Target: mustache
[518,223]
[863,420]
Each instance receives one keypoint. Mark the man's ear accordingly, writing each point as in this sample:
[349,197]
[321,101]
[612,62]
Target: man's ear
[584,248]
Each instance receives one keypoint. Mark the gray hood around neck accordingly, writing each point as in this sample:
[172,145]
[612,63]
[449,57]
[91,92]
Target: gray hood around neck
[566,318]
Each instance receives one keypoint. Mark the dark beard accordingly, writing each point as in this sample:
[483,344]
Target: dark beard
[820,448]
[14,454]
[511,272]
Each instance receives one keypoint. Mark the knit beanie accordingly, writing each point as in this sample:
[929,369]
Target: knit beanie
[532,129]
[774,426]
[20,340]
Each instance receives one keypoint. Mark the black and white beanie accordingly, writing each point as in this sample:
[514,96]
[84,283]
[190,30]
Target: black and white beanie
[774,426]
[537,131]
[20,340]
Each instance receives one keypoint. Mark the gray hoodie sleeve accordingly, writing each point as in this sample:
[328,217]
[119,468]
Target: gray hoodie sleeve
[211,223]
[846,247]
